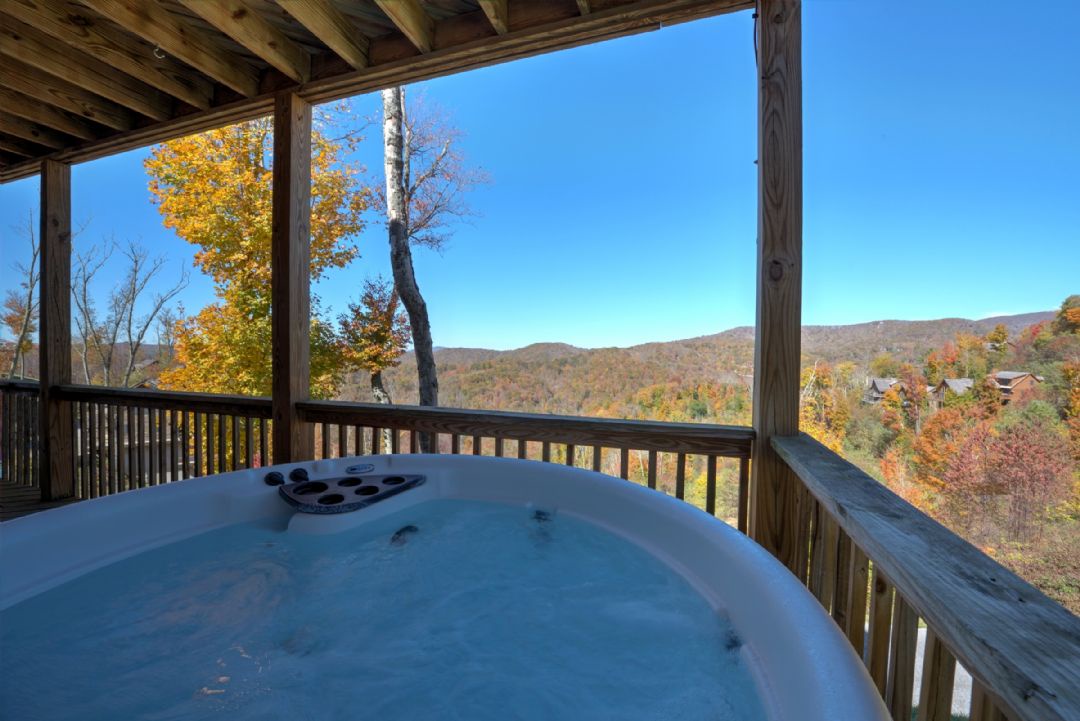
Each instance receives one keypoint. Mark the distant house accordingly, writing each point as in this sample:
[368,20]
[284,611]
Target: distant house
[1014,383]
[959,386]
[876,390]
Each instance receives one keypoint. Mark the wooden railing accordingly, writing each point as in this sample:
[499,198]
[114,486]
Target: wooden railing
[880,566]
[132,438]
[19,461]
[707,465]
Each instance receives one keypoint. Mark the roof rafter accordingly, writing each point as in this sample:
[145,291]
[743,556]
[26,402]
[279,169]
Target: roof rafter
[33,132]
[29,109]
[53,91]
[497,15]
[412,21]
[153,23]
[18,147]
[243,24]
[330,25]
[74,25]
[22,42]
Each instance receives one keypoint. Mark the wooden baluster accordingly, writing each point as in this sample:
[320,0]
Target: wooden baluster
[858,574]
[455,443]
[877,652]
[710,485]
[102,481]
[163,446]
[76,435]
[132,414]
[5,438]
[376,441]
[264,443]
[223,451]
[744,494]
[199,444]
[395,440]
[901,679]
[414,442]
[651,475]
[840,592]
[358,436]
[571,450]
[477,445]
[936,689]
[545,451]
[498,446]
[680,476]
[982,705]
[342,440]
[523,449]
[234,428]
[185,444]
[325,440]
[624,463]
[174,445]
[212,419]
[828,540]
[249,445]
[597,458]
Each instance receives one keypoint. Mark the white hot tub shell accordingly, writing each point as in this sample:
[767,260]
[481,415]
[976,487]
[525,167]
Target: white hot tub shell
[804,667]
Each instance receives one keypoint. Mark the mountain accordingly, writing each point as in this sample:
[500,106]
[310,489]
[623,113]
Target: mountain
[560,378]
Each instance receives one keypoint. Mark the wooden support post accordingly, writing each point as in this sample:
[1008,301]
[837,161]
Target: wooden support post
[290,277]
[56,450]
[774,515]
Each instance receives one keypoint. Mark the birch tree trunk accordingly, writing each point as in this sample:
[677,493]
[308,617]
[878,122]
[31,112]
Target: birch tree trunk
[400,253]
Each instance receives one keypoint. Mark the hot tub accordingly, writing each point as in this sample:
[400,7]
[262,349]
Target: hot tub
[488,588]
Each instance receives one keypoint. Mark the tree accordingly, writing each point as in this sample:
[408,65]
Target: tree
[1030,464]
[425,181]
[118,336]
[940,440]
[214,190]
[1067,319]
[374,333]
[20,313]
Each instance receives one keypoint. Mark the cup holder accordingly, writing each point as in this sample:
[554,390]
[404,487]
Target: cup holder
[309,496]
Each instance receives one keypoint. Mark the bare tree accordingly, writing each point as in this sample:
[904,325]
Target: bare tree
[21,306]
[425,180]
[121,325]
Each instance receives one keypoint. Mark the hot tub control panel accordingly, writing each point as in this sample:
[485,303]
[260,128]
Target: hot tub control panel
[341,494]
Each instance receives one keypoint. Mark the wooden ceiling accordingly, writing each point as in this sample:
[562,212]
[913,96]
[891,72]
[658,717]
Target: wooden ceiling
[84,79]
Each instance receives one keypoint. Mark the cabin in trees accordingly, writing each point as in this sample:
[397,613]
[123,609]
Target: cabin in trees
[957,386]
[1013,384]
[86,79]
[875,390]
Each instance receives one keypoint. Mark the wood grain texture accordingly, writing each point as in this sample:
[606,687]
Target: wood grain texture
[77,26]
[242,23]
[33,47]
[61,94]
[57,478]
[497,14]
[462,43]
[149,20]
[905,637]
[1018,643]
[290,316]
[877,651]
[732,441]
[21,128]
[28,108]
[330,25]
[774,516]
[257,407]
[412,20]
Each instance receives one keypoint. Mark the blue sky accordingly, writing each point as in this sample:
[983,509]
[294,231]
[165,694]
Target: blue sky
[940,179]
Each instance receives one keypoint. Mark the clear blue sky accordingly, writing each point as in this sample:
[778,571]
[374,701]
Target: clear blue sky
[942,178]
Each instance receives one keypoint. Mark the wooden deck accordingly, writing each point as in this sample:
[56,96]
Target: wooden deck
[20,500]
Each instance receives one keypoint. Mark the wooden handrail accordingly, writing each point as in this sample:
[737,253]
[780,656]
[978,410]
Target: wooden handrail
[250,406]
[1014,640]
[12,385]
[694,438]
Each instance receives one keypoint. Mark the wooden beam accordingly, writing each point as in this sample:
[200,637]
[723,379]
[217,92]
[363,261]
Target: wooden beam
[33,132]
[33,47]
[18,147]
[83,30]
[497,15]
[153,23]
[57,456]
[411,19]
[463,43]
[53,91]
[330,25]
[29,109]
[774,514]
[290,264]
[583,7]
[243,24]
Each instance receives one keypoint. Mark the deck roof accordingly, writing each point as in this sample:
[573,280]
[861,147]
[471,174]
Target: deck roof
[82,80]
